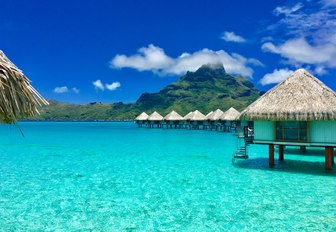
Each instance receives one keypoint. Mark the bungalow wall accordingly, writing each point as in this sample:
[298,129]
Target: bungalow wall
[323,132]
[243,123]
[319,131]
[264,130]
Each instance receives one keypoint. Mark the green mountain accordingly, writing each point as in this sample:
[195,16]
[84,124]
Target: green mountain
[206,89]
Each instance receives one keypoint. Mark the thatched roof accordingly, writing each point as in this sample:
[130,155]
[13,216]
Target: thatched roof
[173,116]
[300,97]
[216,115]
[142,117]
[207,117]
[230,115]
[197,116]
[188,116]
[155,117]
[18,99]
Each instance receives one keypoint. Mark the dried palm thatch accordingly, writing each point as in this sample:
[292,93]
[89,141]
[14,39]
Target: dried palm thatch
[207,117]
[188,116]
[216,115]
[300,97]
[142,117]
[197,116]
[18,99]
[155,117]
[173,116]
[230,115]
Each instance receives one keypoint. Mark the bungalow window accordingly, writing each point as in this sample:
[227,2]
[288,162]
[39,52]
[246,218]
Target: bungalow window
[291,131]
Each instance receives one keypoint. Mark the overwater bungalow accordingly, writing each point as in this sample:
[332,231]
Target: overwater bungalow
[215,119]
[196,119]
[173,120]
[299,111]
[206,122]
[186,119]
[230,119]
[141,119]
[155,119]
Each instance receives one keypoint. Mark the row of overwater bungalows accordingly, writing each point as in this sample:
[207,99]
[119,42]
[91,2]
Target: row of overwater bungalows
[214,120]
[299,111]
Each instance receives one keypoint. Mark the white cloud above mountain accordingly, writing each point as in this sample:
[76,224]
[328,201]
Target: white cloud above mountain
[154,59]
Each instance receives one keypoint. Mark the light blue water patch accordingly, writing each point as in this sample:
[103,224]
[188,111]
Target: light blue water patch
[117,177]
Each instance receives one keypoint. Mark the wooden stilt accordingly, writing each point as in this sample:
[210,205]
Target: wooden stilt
[328,158]
[271,154]
[333,156]
[303,148]
[281,152]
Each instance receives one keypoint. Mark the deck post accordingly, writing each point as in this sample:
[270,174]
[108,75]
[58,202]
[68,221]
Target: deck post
[271,154]
[328,158]
[281,152]
[303,148]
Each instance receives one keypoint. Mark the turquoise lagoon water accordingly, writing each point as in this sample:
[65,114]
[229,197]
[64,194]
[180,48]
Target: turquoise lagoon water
[117,177]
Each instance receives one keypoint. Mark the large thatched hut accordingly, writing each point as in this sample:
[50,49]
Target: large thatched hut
[18,98]
[155,119]
[141,119]
[173,120]
[230,119]
[299,111]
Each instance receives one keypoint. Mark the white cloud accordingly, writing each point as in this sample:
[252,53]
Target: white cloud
[328,3]
[276,76]
[113,86]
[98,85]
[75,90]
[320,70]
[299,51]
[287,10]
[148,58]
[232,37]
[266,39]
[153,58]
[317,24]
[308,32]
[63,89]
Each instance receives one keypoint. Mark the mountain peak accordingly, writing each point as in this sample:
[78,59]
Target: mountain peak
[207,72]
[213,66]
[212,69]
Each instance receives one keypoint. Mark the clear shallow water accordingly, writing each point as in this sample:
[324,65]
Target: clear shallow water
[117,177]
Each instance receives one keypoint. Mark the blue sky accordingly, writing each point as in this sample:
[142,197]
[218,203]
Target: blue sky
[112,51]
